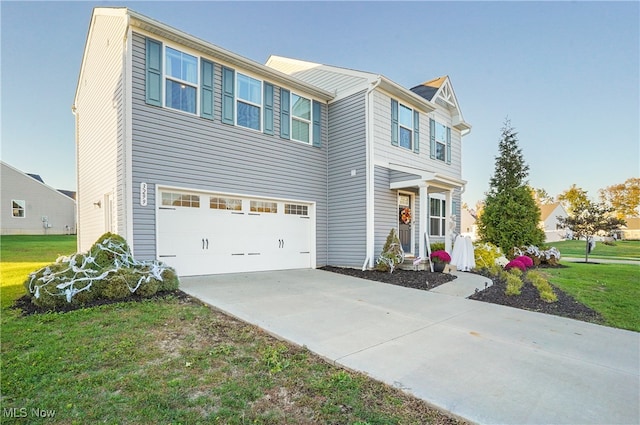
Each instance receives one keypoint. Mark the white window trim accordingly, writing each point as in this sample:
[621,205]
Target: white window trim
[441,217]
[24,208]
[248,102]
[410,129]
[441,142]
[292,118]
[165,77]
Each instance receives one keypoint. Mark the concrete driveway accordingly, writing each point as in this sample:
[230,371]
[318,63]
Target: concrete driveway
[487,363]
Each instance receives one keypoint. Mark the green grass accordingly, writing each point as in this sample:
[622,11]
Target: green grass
[171,361]
[613,290]
[35,248]
[621,250]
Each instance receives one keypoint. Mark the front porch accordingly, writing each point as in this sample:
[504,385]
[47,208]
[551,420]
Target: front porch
[436,218]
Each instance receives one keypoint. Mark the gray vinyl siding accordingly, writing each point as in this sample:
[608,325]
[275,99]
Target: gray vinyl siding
[172,148]
[347,193]
[386,208]
[120,195]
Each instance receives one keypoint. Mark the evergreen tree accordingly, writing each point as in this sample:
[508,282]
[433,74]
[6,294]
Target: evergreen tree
[511,215]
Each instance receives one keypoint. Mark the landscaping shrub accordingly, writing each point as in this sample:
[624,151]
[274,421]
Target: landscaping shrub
[526,260]
[545,290]
[392,253]
[487,255]
[517,264]
[549,256]
[107,270]
[514,283]
[437,246]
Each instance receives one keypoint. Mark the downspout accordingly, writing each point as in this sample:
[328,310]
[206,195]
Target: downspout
[370,178]
[74,111]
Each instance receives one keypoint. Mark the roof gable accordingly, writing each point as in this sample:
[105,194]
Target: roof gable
[30,180]
[546,210]
[440,91]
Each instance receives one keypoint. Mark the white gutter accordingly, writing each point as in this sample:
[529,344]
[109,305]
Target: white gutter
[370,180]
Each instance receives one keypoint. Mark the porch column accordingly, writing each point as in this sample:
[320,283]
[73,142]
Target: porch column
[448,221]
[423,192]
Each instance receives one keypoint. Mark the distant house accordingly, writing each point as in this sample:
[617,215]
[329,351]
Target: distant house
[31,207]
[549,214]
[631,230]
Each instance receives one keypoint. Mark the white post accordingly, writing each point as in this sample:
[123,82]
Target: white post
[423,193]
[448,218]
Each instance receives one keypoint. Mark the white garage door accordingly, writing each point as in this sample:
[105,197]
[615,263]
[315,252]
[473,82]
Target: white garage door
[211,234]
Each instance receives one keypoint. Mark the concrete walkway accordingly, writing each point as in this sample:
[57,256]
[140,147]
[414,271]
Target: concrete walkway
[487,363]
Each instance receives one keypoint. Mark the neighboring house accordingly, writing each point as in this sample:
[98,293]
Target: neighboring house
[215,163]
[549,214]
[631,230]
[30,207]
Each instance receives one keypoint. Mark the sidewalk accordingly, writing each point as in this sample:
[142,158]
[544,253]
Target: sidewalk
[599,260]
[484,362]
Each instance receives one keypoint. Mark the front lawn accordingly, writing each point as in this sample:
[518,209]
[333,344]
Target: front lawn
[620,250]
[613,290]
[170,360]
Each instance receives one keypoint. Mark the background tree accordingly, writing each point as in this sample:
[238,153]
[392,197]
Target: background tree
[588,221]
[542,197]
[624,198]
[573,199]
[510,216]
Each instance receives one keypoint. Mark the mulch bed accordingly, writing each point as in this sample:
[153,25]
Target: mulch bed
[566,306]
[27,308]
[424,280]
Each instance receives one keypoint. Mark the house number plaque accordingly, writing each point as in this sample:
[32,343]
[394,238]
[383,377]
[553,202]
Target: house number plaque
[143,194]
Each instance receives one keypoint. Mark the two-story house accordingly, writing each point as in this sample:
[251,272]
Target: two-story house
[215,163]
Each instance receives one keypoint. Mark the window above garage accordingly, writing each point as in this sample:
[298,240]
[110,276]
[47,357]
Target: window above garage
[173,199]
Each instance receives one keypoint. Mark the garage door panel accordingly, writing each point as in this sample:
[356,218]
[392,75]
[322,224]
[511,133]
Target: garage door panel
[204,240]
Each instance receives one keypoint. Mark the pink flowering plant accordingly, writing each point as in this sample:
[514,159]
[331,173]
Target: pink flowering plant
[440,256]
[517,264]
[526,260]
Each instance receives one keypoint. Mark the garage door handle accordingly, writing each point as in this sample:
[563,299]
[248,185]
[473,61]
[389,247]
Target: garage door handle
[202,243]
[280,243]
[207,243]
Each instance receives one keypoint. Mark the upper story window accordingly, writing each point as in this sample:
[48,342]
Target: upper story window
[405,126]
[178,80]
[249,101]
[300,118]
[440,141]
[18,208]
[181,80]
[405,129]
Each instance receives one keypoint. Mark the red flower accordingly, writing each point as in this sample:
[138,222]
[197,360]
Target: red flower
[440,256]
[526,260]
[517,264]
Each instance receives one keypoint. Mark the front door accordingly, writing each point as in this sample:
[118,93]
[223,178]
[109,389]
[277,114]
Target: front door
[405,217]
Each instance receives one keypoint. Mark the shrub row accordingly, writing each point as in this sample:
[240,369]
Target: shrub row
[545,290]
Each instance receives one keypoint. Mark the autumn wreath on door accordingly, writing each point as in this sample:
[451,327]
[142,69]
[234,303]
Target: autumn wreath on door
[405,215]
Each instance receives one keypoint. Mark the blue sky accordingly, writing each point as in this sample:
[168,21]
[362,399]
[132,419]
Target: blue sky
[565,73]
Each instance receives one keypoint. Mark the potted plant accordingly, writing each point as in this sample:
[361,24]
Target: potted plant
[440,259]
